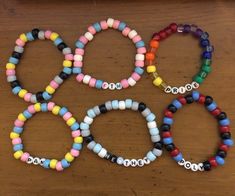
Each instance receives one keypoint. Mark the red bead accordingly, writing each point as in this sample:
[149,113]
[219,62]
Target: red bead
[202,99]
[174,152]
[216,112]
[166,134]
[162,34]
[168,30]
[156,37]
[182,100]
[173,26]
[213,162]
[224,147]
[168,113]
[224,129]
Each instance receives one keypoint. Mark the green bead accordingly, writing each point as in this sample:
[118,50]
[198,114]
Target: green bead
[206,68]
[198,79]
[206,62]
[202,74]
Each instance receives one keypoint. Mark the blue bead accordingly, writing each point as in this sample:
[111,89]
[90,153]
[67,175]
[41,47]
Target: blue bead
[219,160]
[195,95]
[139,70]
[18,129]
[205,42]
[75,126]
[44,107]
[46,95]
[97,27]
[177,104]
[16,90]
[207,55]
[167,120]
[77,146]
[154,131]
[64,163]
[46,163]
[91,113]
[27,114]
[212,106]
[13,60]
[121,26]
[58,41]
[77,70]
[84,125]
[97,148]
[228,142]
[139,44]
[151,117]
[99,84]
[115,104]
[151,156]
[224,122]
[128,103]
[167,140]
[29,36]
[67,70]
[17,147]
[178,157]
[62,111]
[79,44]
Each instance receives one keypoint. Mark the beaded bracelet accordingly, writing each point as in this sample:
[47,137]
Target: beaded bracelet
[122,105]
[206,57]
[88,36]
[46,163]
[224,128]
[14,60]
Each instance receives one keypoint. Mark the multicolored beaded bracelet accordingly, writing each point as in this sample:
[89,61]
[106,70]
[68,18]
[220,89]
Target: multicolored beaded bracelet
[46,163]
[122,105]
[14,60]
[206,57]
[224,128]
[88,36]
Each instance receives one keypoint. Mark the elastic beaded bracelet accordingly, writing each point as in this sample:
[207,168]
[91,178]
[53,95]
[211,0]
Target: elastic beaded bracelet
[14,60]
[122,105]
[46,163]
[206,57]
[211,106]
[88,36]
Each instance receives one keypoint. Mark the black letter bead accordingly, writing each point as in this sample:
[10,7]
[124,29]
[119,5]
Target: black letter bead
[35,33]
[63,75]
[222,116]
[189,99]
[39,96]
[15,84]
[222,153]
[208,100]
[207,165]
[61,46]
[103,109]
[16,55]
[226,135]
[172,108]
[165,127]
[170,147]
[89,138]
[141,107]
[113,158]
[158,145]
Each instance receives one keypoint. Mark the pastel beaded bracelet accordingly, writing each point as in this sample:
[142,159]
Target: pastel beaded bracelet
[14,60]
[206,57]
[211,106]
[46,163]
[122,105]
[89,35]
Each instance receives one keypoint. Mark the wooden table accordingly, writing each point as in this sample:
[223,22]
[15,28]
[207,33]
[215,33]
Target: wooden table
[111,57]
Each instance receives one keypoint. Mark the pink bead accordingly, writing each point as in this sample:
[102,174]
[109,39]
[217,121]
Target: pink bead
[141,50]
[74,153]
[59,166]
[27,97]
[137,38]
[16,141]
[135,76]
[83,39]
[24,157]
[124,83]
[78,63]
[69,57]
[92,82]
[50,106]
[76,133]
[79,51]
[31,109]
[48,34]
[139,63]
[92,30]
[104,25]
[54,84]
[116,24]
[126,31]
[19,42]
[80,77]
[10,72]
[18,123]
[67,116]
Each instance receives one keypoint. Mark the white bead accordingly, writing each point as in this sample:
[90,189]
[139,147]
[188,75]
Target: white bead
[167,89]
[36,161]
[188,87]
[88,120]
[139,57]
[200,167]
[126,162]
[146,161]
[42,161]
[122,105]
[110,22]
[131,81]
[174,90]
[157,152]
[187,165]
[182,90]
[118,86]
[134,162]
[195,85]
[132,34]
[112,86]
[140,162]
[181,163]
[89,36]
[155,138]
[30,160]
[194,167]
[105,85]
[86,79]
[78,57]
[41,35]
[102,153]
[120,160]
[152,124]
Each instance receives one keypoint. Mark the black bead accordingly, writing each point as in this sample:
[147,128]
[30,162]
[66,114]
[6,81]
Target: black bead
[206,165]
[141,107]
[226,135]
[170,147]
[158,145]
[165,127]
[61,46]
[208,100]
[102,108]
[113,158]
[189,99]
[172,108]
[35,33]
[222,153]
[63,75]
[222,116]
[108,156]
[39,96]
[15,83]
[89,138]
[16,55]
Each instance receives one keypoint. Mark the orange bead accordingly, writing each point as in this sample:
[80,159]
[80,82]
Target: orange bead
[150,56]
[154,44]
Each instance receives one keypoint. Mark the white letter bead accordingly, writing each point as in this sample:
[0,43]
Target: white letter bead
[86,79]
[30,160]
[168,89]
[194,167]
[78,57]
[105,85]
[88,120]
[132,34]
[182,90]
[112,86]
[146,161]
[126,162]
[188,87]
[140,162]
[152,124]
[139,57]
[120,160]
[195,85]
[181,163]
[200,167]
[118,86]
[187,165]
[36,161]
[110,22]
[89,36]
[134,162]
[131,81]
[174,90]
[42,161]
[102,153]
[122,105]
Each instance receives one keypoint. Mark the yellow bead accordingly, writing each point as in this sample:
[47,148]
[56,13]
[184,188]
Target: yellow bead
[54,36]
[78,140]
[67,63]
[14,135]
[23,37]
[56,110]
[157,81]
[18,154]
[70,121]
[151,68]
[53,163]
[21,117]
[10,66]
[22,93]
[50,89]
[37,107]
[68,157]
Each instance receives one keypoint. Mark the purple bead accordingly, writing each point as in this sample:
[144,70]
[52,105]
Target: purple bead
[198,32]
[187,28]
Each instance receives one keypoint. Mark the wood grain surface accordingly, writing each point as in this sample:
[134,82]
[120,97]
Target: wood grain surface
[109,56]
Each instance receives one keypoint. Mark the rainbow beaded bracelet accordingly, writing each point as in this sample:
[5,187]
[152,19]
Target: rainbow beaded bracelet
[88,36]
[206,57]
[46,163]
[223,121]
[14,60]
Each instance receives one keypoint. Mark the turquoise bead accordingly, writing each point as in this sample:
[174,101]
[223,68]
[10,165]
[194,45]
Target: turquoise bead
[91,113]
[67,70]
[115,104]
[84,125]
[97,27]
[46,95]
[154,131]
[97,148]
[128,103]
[151,156]
[150,117]
[121,26]
[139,70]
[79,44]
[139,44]
[99,84]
